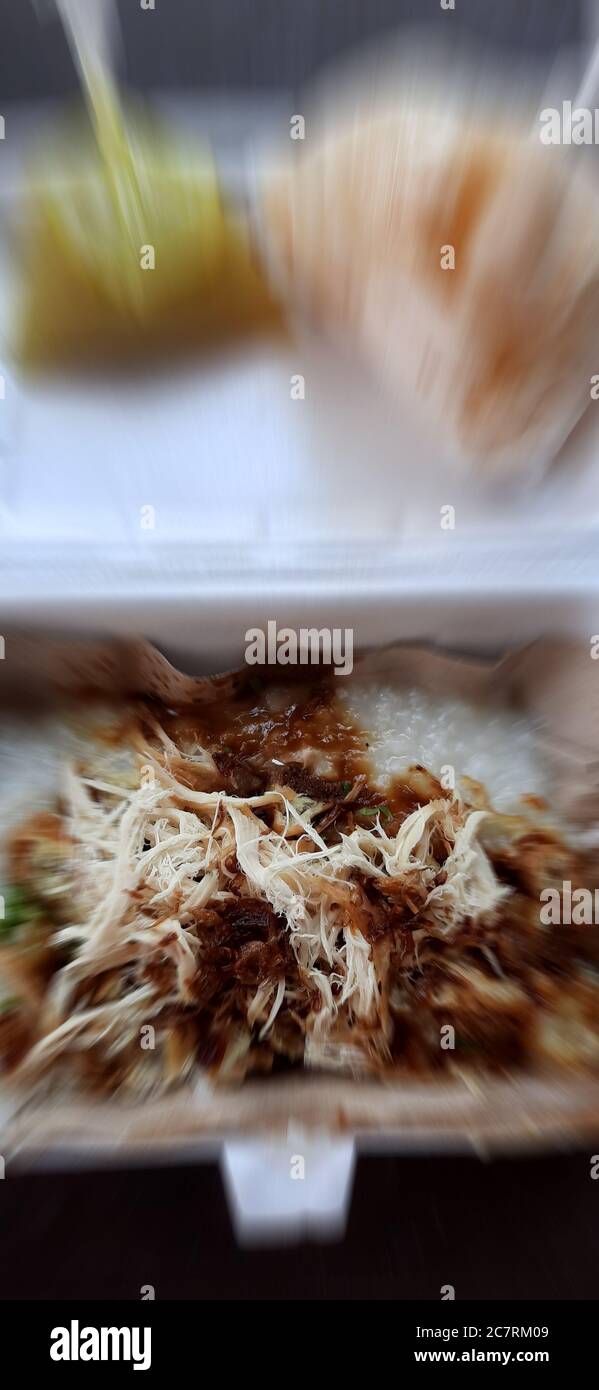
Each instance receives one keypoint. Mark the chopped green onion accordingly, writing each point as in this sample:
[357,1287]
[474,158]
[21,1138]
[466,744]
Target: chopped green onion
[7,1005]
[372,811]
[16,910]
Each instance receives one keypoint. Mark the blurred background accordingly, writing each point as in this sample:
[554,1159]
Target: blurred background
[261,43]
[250,471]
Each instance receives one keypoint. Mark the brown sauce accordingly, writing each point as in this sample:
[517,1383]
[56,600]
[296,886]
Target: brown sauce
[279,720]
[257,724]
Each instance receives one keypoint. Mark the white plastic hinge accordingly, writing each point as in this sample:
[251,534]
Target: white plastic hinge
[297,1188]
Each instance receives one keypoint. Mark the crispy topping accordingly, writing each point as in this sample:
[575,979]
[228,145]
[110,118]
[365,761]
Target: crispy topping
[247,908]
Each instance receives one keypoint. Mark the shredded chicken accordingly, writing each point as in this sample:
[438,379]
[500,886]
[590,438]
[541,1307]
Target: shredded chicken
[230,929]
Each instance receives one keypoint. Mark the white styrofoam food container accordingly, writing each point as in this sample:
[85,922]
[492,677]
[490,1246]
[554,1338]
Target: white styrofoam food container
[322,511]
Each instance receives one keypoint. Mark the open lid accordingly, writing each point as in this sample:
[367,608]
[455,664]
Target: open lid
[267,461]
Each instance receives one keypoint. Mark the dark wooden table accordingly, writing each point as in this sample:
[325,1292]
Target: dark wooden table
[521,1229]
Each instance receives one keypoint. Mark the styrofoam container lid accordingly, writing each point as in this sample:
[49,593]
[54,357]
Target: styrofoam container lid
[225,477]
